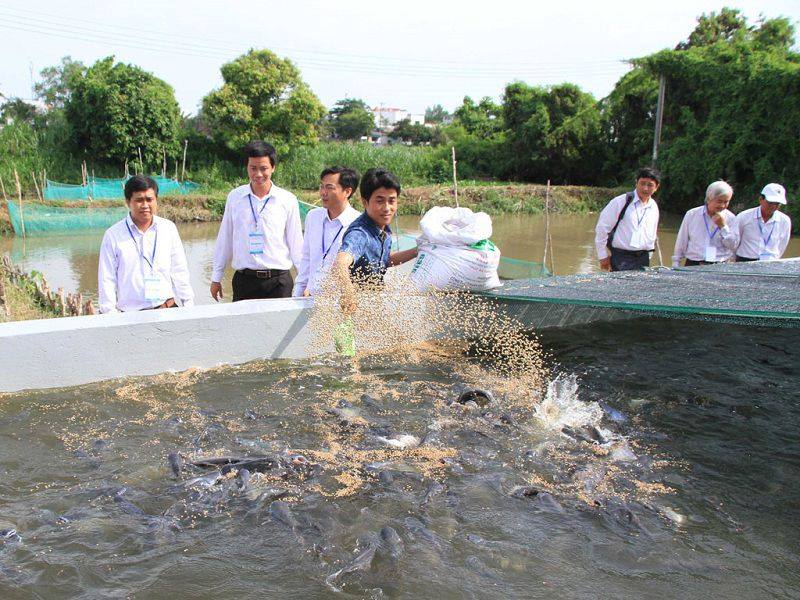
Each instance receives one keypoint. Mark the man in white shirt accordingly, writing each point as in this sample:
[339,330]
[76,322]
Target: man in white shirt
[708,233]
[325,228]
[142,263]
[260,234]
[764,231]
[626,229]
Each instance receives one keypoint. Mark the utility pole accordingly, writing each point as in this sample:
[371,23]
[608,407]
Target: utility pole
[662,83]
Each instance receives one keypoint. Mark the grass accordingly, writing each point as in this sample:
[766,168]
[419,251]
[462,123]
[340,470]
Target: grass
[21,303]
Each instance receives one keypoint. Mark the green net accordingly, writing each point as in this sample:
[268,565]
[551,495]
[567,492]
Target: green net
[99,188]
[44,218]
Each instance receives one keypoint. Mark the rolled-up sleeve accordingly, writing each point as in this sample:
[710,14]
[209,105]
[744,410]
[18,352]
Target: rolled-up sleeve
[294,233]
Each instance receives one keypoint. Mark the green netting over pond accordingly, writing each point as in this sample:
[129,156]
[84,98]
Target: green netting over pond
[762,293]
[99,188]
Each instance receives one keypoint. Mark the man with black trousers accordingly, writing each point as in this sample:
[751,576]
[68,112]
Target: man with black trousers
[625,234]
[260,234]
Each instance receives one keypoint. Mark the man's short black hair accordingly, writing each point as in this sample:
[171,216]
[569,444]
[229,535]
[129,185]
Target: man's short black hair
[140,183]
[649,173]
[260,149]
[378,178]
[348,178]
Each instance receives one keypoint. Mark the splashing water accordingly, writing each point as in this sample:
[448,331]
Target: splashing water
[561,406]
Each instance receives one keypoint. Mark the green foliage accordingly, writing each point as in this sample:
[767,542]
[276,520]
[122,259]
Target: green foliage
[351,119]
[732,112]
[414,133]
[16,110]
[115,109]
[263,97]
[412,165]
[56,83]
[436,114]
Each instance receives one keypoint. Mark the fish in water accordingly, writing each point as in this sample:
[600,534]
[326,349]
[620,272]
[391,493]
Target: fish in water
[10,535]
[126,505]
[175,463]
[612,413]
[281,512]
[478,396]
[391,545]
[243,478]
[542,499]
[587,433]
[400,442]
[205,481]
[362,562]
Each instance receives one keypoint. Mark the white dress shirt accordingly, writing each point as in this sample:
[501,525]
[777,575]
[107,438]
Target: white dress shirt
[761,240]
[637,229]
[278,222]
[700,239]
[129,257]
[321,242]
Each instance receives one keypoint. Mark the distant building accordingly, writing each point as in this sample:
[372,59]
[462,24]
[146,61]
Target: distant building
[387,117]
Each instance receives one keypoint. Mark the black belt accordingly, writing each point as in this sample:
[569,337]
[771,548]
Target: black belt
[631,252]
[264,273]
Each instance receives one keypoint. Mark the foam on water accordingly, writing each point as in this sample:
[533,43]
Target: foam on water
[562,407]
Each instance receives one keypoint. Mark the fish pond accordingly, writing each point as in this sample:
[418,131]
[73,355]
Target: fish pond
[652,459]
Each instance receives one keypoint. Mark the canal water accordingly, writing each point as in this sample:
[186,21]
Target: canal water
[662,460]
[70,261]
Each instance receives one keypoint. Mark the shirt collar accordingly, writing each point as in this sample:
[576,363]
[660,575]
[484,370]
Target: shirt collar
[338,219]
[759,217]
[133,227]
[248,191]
[639,200]
[369,224]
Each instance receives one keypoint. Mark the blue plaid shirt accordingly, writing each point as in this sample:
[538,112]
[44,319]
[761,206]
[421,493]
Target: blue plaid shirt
[369,246]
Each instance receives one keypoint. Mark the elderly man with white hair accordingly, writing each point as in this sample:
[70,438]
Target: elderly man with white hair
[708,233]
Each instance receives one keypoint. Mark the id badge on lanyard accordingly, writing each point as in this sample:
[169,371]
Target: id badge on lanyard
[764,253]
[154,288]
[711,249]
[711,253]
[255,242]
[255,239]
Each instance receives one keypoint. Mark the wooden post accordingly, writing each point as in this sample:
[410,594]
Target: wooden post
[455,178]
[546,224]
[164,163]
[3,186]
[3,303]
[662,84]
[176,169]
[141,162]
[127,173]
[21,209]
[44,179]
[36,185]
[183,168]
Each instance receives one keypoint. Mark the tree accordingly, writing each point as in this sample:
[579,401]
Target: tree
[727,26]
[263,97]
[16,110]
[415,133]
[436,114]
[116,109]
[351,119]
[56,83]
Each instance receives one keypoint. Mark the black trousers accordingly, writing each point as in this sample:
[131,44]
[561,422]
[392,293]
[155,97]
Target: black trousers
[694,263]
[744,259]
[274,283]
[629,260]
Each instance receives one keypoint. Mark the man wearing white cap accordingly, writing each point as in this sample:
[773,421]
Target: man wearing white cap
[764,230]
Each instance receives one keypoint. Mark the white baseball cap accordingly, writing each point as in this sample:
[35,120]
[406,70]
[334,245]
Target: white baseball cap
[774,192]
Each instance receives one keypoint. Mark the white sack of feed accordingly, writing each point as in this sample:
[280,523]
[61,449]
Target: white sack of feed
[455,252]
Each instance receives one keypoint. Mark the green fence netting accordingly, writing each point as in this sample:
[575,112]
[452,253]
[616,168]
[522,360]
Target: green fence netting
[44,218]
[99,188]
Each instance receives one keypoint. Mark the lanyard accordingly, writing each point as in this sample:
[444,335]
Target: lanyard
[152,260]
[761,231]
[322,242]
[253,210]
[644,214]
[708,231]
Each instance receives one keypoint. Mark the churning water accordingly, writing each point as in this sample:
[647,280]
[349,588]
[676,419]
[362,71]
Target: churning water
[658,459]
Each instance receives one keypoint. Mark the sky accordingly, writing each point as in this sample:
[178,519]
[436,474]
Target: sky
[410,54]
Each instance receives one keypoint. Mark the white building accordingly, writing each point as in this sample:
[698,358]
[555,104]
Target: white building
[387,117]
